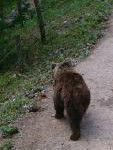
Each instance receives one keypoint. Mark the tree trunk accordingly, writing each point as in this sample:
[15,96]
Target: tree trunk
[19,2]
[40,21]
[1,10]
[19,54]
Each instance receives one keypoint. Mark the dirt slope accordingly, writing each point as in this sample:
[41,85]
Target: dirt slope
[40,131]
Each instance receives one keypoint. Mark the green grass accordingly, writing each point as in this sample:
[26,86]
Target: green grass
[8,131]
[13,87]
[7,145]
[81,30]
[72,28]
[11,109]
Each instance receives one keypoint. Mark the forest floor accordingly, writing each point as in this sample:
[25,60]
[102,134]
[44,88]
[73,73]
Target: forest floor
[41,131]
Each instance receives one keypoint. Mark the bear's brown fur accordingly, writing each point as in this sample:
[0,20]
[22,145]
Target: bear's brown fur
[71,93]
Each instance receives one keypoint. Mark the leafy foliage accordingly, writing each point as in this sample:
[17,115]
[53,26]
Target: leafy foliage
[7,145]
[8,131]
[11,109]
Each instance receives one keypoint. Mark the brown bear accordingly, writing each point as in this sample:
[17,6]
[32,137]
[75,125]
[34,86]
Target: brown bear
[71,93]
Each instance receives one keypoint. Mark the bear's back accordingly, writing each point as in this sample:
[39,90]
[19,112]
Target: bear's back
[69,77]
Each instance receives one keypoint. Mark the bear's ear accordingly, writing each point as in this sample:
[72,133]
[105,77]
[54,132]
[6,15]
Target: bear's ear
[66,64]
[53,65]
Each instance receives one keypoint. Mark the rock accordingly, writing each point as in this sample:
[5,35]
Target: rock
[53,115]
[33,108]
[65,21]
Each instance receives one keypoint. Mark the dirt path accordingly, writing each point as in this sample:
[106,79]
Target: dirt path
[40,131]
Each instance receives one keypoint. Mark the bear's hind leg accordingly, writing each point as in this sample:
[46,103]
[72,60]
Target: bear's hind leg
[58,105]
[59,110]
[74,122]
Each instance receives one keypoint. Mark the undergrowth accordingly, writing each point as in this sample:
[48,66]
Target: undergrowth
[7,145]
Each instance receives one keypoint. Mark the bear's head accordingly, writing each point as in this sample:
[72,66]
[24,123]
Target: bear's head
[58,68]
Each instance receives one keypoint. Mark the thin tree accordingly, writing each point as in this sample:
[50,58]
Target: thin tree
[1,10]
[18,39]
[20,59]
[20,15]
[18,50]
[40,21]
